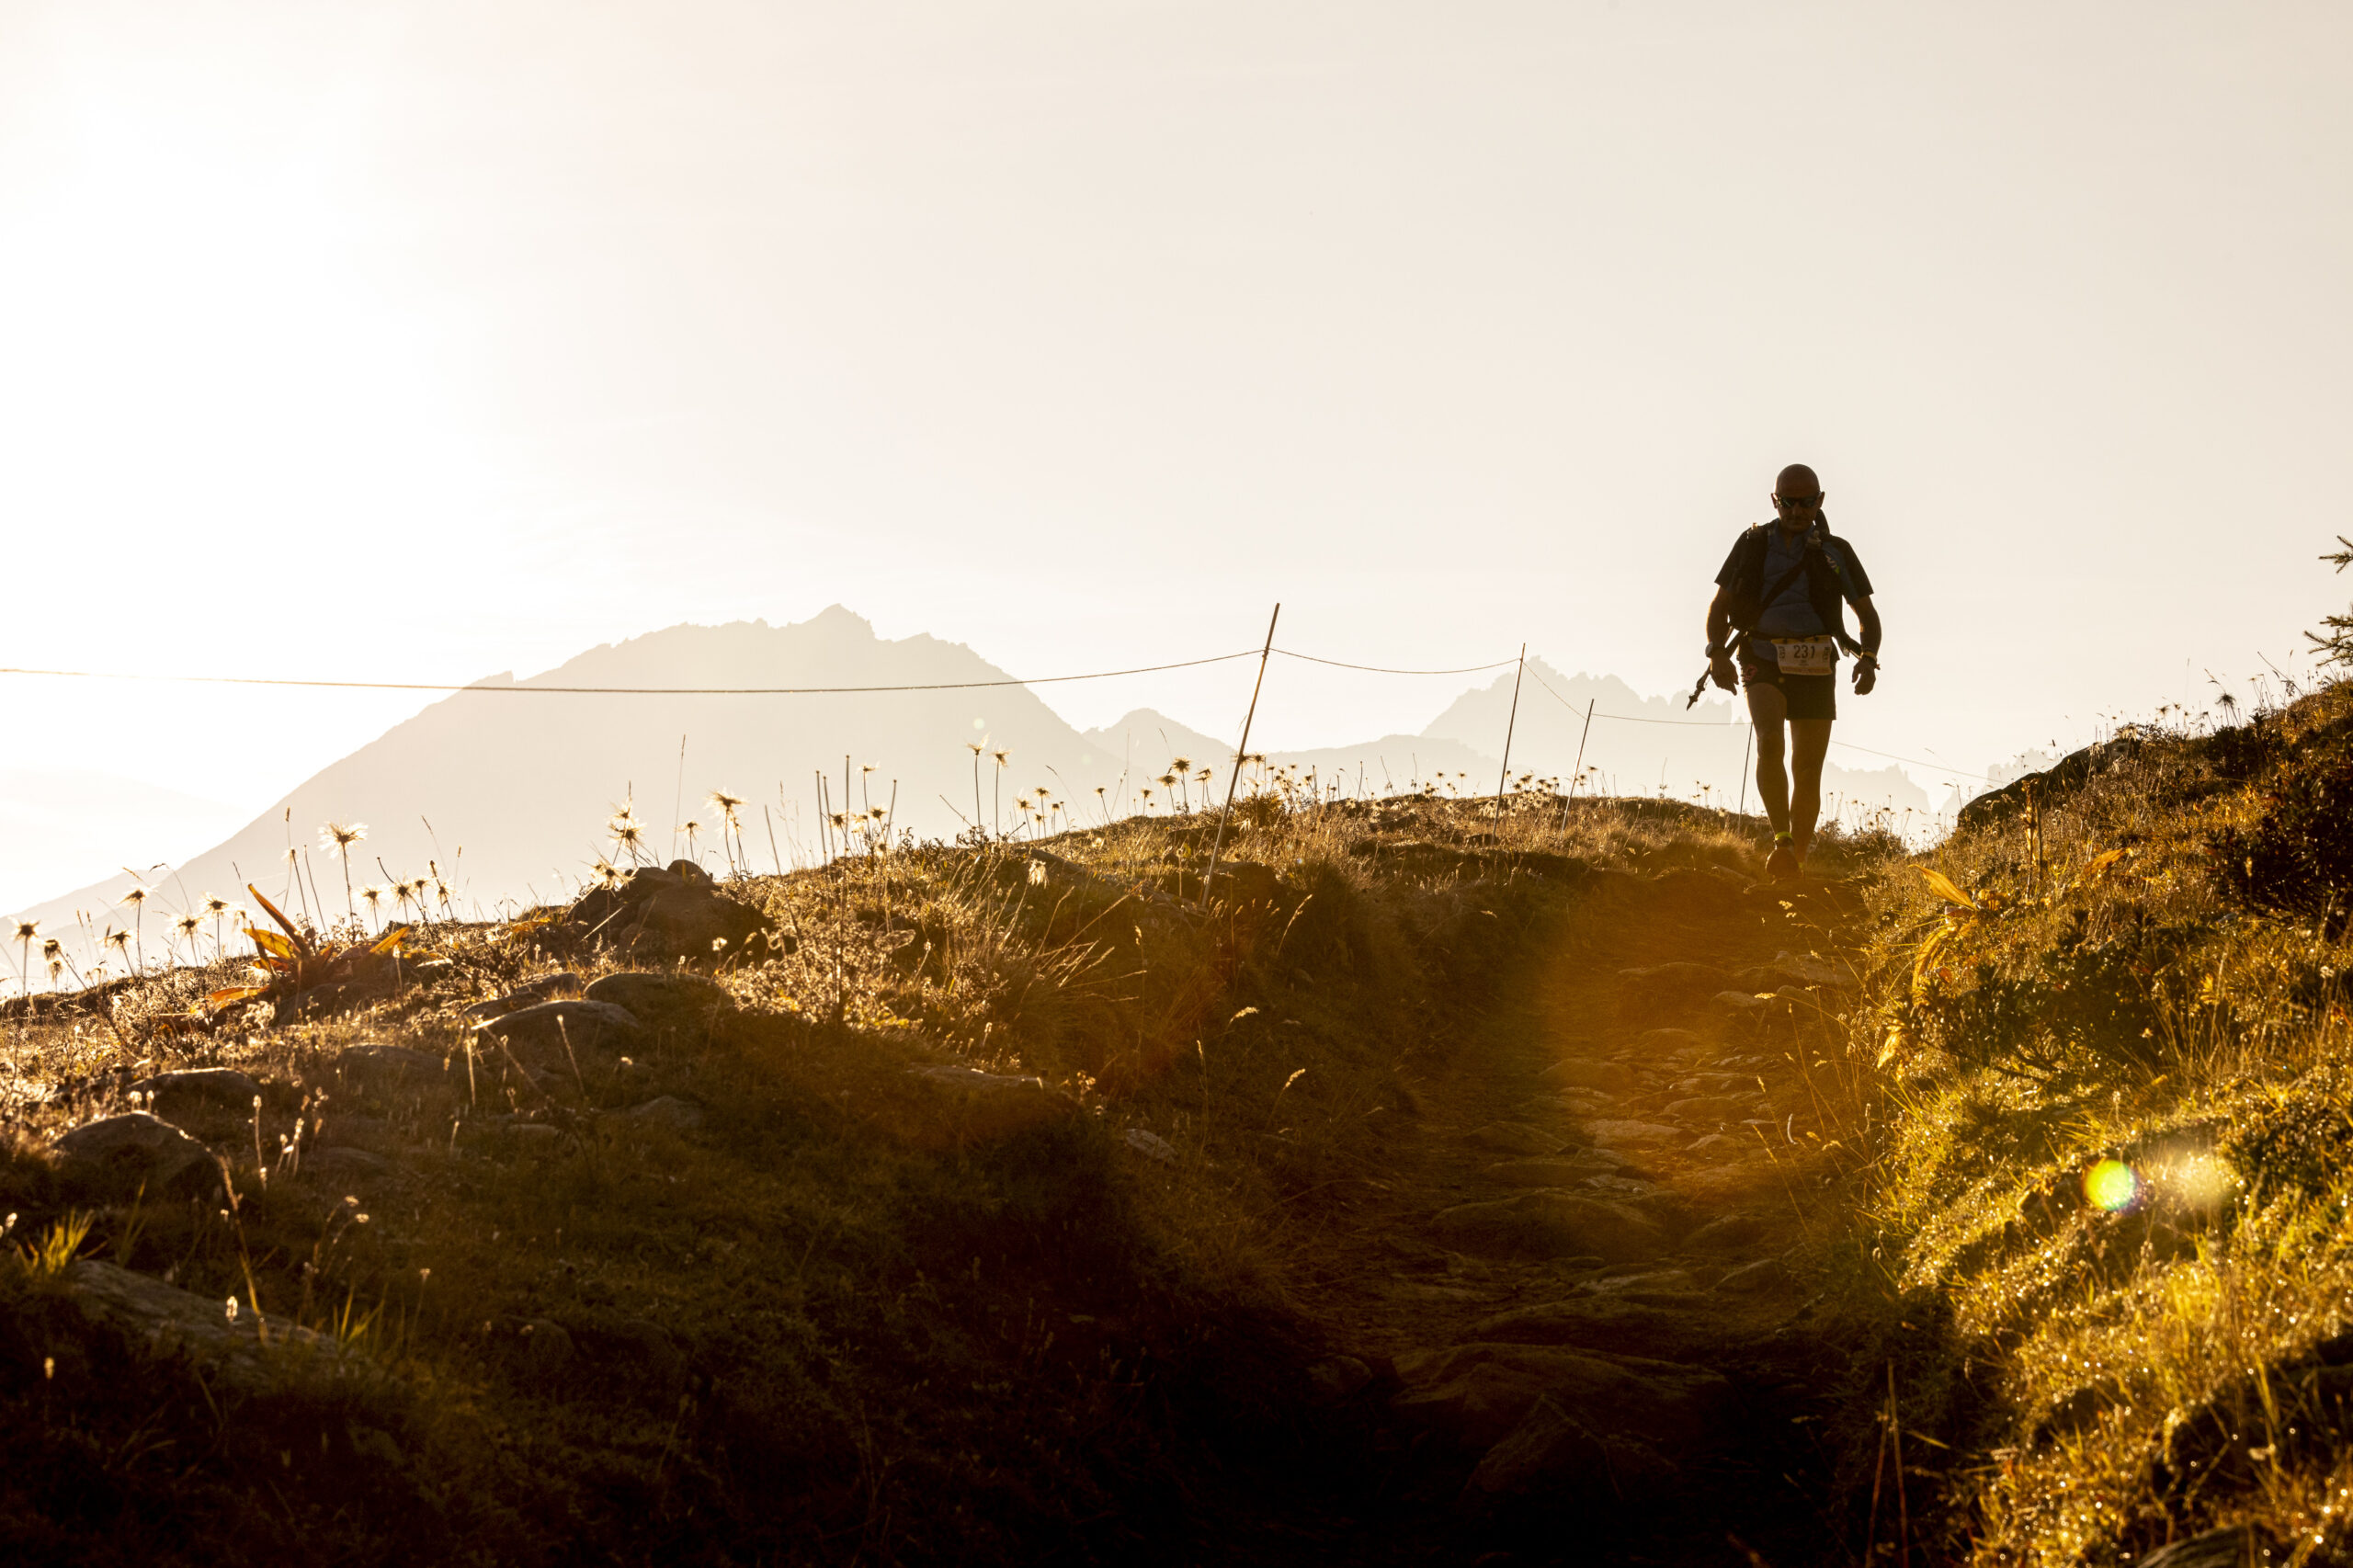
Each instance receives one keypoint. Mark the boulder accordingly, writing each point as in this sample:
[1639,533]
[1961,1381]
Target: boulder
[548,1350]
[540,1032]
[387,1065]
[244,1354]
[952,1105]
[666,1111]
[678,913]
[205,1091]
[341,1169]
[1151,1145]
[118,1158]
[675,1005]
[1338,1377]
[539,988]
[1548,1224]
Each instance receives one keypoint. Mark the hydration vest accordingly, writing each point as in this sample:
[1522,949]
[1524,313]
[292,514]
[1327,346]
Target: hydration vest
[1825,580]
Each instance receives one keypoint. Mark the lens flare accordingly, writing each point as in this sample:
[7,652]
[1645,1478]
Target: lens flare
[2110,1185]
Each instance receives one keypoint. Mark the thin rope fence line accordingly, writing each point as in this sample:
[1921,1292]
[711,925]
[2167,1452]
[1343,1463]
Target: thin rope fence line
[1379,670]
[520,690]
[1704,724]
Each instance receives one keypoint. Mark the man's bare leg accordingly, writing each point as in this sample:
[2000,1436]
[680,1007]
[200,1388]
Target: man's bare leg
[1810,740]
[1767,707]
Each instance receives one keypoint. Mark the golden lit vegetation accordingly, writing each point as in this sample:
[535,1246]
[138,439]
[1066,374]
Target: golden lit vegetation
[2111,1033]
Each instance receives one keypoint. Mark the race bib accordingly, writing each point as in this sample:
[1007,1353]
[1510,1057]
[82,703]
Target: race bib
[1807,655]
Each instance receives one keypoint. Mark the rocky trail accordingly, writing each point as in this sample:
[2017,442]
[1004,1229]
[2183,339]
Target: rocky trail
[1577,1292]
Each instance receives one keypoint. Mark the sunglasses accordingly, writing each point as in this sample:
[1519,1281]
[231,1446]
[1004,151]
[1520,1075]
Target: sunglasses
[1797,500]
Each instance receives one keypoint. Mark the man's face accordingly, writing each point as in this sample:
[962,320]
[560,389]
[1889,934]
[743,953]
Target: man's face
[1800,511]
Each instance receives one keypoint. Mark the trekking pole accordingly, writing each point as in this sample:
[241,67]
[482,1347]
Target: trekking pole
[1746,748]
[1509,724]
[1234,777]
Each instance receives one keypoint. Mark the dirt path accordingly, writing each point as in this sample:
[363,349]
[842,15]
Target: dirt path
[1579,1290]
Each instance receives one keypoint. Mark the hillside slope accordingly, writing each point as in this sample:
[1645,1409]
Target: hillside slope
[2110,1190]
[1444,1188]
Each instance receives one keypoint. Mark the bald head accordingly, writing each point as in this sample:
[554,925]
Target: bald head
[1797,496]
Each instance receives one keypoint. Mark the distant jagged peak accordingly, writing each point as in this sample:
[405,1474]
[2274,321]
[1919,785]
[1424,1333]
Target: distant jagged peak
[836,619]
[1149,726]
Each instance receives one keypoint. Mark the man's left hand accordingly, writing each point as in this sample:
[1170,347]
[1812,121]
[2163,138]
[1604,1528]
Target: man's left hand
[1866,677]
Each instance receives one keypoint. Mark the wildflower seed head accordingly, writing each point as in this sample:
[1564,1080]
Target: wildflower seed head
[137,895]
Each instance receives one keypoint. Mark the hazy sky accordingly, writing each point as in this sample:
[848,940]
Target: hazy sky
[426,341]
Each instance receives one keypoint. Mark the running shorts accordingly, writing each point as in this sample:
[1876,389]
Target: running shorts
[1809,696]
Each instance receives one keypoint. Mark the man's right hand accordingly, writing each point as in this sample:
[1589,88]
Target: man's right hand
[1721,670]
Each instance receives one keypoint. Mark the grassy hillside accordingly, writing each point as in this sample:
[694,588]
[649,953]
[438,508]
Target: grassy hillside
[2112,1182]
[1448,1185]
[784,1281]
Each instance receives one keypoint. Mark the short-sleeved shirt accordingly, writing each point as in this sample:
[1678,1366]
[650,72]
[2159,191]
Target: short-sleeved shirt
[1792,612]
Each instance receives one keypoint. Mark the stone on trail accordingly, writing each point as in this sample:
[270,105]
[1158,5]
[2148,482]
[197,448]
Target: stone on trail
[1552,1455]
[197,1091]
[1669,986]
[1555,1173]
[1477,1393]
[1719,1146]
[1725,1233]
[1518,1138]
[1764,1275]
[234,1352]
[1609,1077]
[1604,1321]
[1666,1044]
[1711,1110]
[1629,1134]
[118,1158]
[1547,1223]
